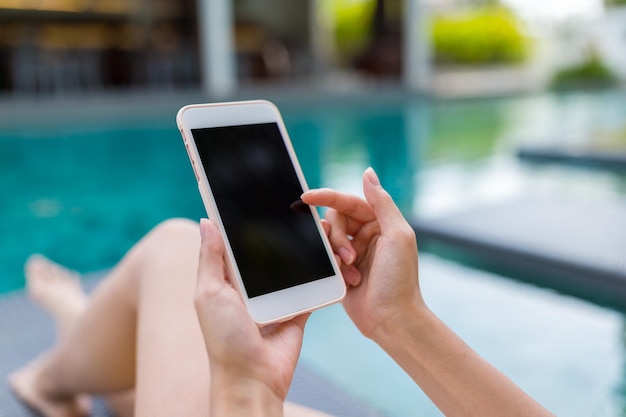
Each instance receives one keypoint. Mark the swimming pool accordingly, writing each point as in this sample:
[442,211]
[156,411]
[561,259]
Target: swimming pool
[84,192]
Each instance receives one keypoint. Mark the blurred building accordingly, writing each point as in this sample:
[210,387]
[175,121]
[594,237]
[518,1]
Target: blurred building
[59,46]
[70,46]
[65,46]
[610,38]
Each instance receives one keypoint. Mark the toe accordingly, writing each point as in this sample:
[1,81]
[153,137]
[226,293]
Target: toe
[83,405]
[35,261]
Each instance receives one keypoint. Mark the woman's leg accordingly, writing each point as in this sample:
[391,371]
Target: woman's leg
[139,330]
[58,291]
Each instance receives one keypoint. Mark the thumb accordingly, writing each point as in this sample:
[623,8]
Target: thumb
[211,263]
[387,213]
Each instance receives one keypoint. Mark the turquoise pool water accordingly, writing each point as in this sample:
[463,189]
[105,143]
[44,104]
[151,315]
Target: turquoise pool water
[83,193]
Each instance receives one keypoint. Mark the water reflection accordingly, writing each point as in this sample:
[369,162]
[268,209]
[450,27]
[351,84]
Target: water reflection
[387,139]
[339,145]
[400,141]
[306,136]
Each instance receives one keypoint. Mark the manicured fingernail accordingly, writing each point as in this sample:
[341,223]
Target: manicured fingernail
[204,231]
[372,177]
[346,256]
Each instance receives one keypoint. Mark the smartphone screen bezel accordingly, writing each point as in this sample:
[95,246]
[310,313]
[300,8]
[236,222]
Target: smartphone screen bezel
[283,304]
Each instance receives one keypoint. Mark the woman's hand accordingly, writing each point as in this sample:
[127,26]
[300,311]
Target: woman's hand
[255,365]
[378,251]
[379,255]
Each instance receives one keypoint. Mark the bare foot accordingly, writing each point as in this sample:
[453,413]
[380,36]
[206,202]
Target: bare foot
[56,289]
[24,384]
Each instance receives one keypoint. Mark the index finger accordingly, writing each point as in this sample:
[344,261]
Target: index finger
[350,205]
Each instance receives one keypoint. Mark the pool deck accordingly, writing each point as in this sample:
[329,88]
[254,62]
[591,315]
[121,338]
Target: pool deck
[133,104]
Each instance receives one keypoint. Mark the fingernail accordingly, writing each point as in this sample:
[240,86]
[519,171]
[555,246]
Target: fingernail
[204,231]
[372,177]
[346,256]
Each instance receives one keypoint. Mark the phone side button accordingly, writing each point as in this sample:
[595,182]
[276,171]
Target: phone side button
[189,153]
[195,171]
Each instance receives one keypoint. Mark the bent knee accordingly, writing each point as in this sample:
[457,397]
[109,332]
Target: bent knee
[176,225]
[170,251]
[171,237]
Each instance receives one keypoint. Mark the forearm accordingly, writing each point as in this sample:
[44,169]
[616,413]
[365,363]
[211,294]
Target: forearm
[234,397]
[455,377]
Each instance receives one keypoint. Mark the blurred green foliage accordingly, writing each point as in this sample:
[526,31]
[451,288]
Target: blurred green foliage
[488,34]
[615,3]
[484,36]
[591,73]
[352,25]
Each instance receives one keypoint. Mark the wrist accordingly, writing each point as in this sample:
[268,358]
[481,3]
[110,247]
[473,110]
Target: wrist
[410,322]
[239,395]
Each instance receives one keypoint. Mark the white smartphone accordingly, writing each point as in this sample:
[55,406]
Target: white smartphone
[278,255]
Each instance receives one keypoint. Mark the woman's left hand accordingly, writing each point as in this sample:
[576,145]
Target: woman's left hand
[244,358]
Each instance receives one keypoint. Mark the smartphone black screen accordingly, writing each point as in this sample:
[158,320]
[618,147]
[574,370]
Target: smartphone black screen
[272,233]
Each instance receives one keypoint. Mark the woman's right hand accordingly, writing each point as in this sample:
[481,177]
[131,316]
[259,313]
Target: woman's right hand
[384,301]
[378,251]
